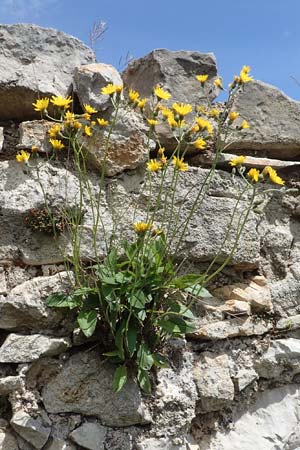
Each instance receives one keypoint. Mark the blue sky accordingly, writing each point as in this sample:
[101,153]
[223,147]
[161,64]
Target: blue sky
[264,34]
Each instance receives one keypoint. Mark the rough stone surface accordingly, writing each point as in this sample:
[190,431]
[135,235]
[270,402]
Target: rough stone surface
[274,120]
[90,435]
[84,385]
[36,61]
[10,384]
[7,441]
[214,384]
[21,348]
[281,354]
[90,79]
[245,377]
[32,430]
[35,133]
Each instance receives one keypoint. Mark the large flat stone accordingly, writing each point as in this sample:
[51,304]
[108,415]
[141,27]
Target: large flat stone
[30,429]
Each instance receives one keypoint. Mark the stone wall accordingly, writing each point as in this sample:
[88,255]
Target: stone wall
[234,383]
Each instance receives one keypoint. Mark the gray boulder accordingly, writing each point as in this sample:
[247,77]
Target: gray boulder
[32,430]
[90,435]
[36,62]
[7,440]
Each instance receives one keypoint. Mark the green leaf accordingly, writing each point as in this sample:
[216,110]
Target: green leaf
[160,361]
[145,358]
[87,320]
[198,291]
[144,381]
[119,338]
[61,300]
[111,354]
[181,309]
[176,326]
[138,300]
[186,280]
[131,338]
[120,378]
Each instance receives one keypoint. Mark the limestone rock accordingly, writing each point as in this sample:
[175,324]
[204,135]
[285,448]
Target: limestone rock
[10,384]
[37,62]
[245,377]
[7,441]
[3,284]
[32,430]
[289,323]
[35,133]
[25,306]
[176,71]
[281,354]
[214,384]
[90,79]
[19,348]
[274,121]
[160,444]
[90,435]
[84,386]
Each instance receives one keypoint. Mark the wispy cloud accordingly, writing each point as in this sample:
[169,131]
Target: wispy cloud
[23,9]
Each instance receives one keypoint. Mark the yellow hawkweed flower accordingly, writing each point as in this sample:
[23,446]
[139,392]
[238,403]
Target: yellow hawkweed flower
[218,83]
[214,112]
[244,125]
[56,144]
[89,109]
[233,115]
[102,122]
[34,149]
[199,144]
[161,151]
[86,116]
[161,94]
[194,129]
[110,89]
[153,165]
[54,130]
[163,160]
[202,78]
[204,125]
[246,69]
[133,96]
[142,227]
[88,131]
[238,161]
[61,102]
[41,104]
[244,75]
[77,125]
[179,164]
[166,112]
[175,123]
[253,174]
[274,178]
[202,110]
[152,122]
[182,109]
[22,156]
[141,103]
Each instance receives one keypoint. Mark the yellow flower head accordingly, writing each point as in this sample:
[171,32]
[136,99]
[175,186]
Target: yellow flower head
[34,149]
[233,115]
[274,178]
[142,227]
[244,75]
[179,164]
[86,116]
[182,109]
[56,144]
[54,130]
[89,109]
[202,78]
[102,122]
[88,131]
[194,128]
[166,112]
[202,110]
[246,69]
[22,156]
[110,89]
[161,94]
[214,112]
[244,125]
[199,144]
[77,125]
[161,151]
[152,122]
[218,83]
[175,123]
[142,102]
[204,125]
[153,165]
[253,174]
[238,161]
[133,96]
[41,104]
[61,102]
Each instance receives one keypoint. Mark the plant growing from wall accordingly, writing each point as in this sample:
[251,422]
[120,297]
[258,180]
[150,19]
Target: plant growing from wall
[136,294]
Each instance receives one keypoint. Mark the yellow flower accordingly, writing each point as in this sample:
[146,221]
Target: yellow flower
[244,125]
[89,109]
[182,109]
[142,227]
[253,174]
[88,131]
[153,165]
[233,115]
[246,69]
[161,94]
[69,119]
[161,151]
[22,156]
[274,178]
[56,144]
[244,75]
[200,144]
[141,103]
[166,112]
[86,116]
[175,123]
[110,89]
[204,125]
[202,78]
[152,122]
[34,149]
[102,122]
[54,130]
[61,102]
[179,164]
[41,104]
[218,83]
[133,96]
[163,160]
[77,125]
[238,161]
[194,129]
[214,112]
[202,110]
